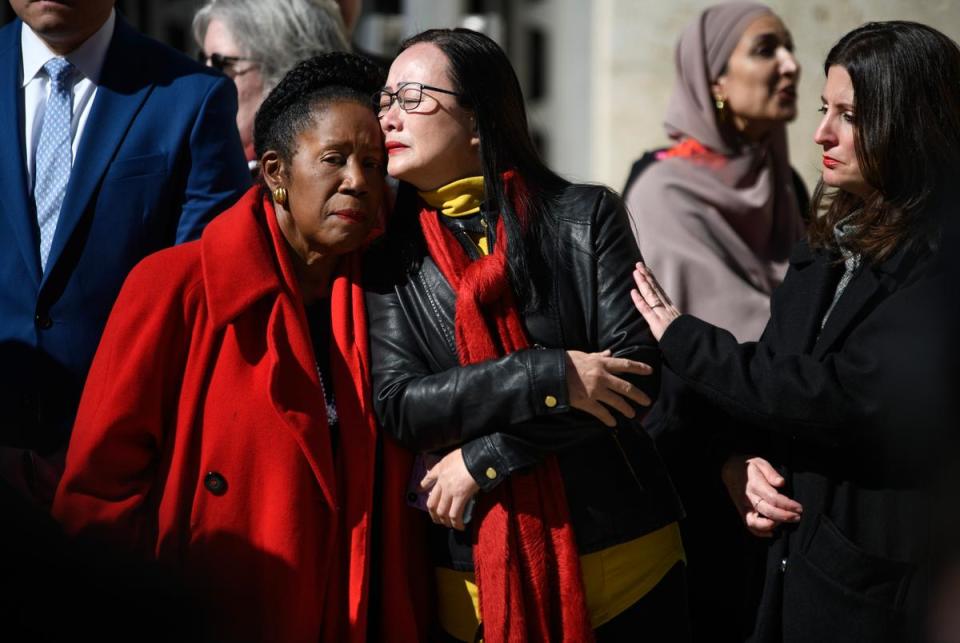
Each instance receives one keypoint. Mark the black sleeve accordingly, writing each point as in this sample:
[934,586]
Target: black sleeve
[617,325]
[427,411]
[519,401]
[874,395]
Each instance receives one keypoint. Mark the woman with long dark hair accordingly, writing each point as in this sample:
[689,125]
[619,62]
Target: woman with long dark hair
[504,354]
[845,391]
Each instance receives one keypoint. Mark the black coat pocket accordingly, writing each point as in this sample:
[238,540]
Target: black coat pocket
[835,591]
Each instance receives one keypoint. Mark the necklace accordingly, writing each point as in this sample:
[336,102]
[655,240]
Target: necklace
[328,399]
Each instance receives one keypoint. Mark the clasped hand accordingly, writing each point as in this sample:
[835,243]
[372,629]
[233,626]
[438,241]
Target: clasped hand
[753,485]
[451,487]
[592,386]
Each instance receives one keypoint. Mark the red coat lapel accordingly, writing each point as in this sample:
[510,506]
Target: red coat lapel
[293,387]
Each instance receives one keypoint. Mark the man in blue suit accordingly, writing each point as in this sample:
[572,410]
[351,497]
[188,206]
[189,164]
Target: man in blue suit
[117,146]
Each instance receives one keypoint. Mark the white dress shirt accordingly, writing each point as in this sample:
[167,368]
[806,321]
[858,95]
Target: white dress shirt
[87,58]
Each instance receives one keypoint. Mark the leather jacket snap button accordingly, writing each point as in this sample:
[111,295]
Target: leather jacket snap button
[491,473]
[215,483]
[550,401]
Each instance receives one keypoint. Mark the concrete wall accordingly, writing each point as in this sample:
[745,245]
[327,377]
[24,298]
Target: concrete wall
[631,63]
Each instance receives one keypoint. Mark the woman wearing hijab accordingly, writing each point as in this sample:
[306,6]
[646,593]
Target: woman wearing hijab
[715,216]
[717,213]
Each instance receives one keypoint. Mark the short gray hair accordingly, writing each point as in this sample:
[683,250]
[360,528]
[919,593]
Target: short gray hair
[276,33]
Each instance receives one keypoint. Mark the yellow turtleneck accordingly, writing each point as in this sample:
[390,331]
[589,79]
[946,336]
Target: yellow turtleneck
[460,198]
[456,199]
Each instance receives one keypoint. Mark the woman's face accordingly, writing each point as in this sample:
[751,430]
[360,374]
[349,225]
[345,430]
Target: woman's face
[759,85]
[835,134]
[435,143]
[245,74]
[334,182]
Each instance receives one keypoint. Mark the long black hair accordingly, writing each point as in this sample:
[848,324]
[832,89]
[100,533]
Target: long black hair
[488,86]
[906,84]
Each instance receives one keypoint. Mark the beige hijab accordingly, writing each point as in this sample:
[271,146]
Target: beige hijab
[717,237]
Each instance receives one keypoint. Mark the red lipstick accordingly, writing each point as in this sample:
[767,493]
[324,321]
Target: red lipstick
[829,162]
[352,215]
[394,147]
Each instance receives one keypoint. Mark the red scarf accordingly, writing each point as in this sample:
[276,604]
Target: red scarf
[527,566]
[695,152]
[404,604]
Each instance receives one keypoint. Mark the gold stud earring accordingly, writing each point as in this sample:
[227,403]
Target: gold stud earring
[720,103]
[280,195]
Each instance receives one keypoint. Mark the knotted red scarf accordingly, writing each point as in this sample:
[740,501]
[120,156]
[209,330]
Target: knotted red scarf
[527,567]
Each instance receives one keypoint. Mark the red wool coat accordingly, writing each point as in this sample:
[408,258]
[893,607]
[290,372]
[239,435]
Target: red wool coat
[202,439]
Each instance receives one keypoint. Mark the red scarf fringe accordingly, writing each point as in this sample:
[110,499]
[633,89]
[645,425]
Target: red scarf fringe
[527,566]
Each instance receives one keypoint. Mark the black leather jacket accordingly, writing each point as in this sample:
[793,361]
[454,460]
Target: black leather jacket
[507,413]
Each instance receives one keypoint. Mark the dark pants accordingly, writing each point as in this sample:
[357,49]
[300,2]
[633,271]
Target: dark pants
[660,616]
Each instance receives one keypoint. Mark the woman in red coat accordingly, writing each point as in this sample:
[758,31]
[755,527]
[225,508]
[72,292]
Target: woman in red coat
[226,427]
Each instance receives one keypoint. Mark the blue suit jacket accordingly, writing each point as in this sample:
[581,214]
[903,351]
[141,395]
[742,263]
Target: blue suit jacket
[159,157]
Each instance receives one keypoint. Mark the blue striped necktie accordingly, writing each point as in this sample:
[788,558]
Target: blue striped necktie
[54,153]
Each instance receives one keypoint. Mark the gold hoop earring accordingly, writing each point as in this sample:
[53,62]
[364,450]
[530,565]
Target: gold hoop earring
[280,195]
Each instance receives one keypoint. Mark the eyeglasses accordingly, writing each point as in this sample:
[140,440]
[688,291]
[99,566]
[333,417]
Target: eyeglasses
[408,96]
[223,63]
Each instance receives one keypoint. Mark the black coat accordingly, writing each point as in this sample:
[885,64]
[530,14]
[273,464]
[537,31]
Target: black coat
[849,413]
[497,410]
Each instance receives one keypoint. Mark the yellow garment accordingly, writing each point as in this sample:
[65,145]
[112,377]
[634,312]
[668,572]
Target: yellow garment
[456,199]
[459,199]
[614,579]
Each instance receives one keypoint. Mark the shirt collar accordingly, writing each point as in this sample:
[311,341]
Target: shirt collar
[87,58]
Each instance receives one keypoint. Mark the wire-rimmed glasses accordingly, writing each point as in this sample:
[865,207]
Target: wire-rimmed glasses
[408,96]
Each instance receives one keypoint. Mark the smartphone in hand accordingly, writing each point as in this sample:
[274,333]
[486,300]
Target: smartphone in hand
[417,497]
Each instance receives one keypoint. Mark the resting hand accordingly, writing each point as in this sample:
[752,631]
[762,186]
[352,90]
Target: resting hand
[591,380]
[752,483]
[451,487]
[649,298]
